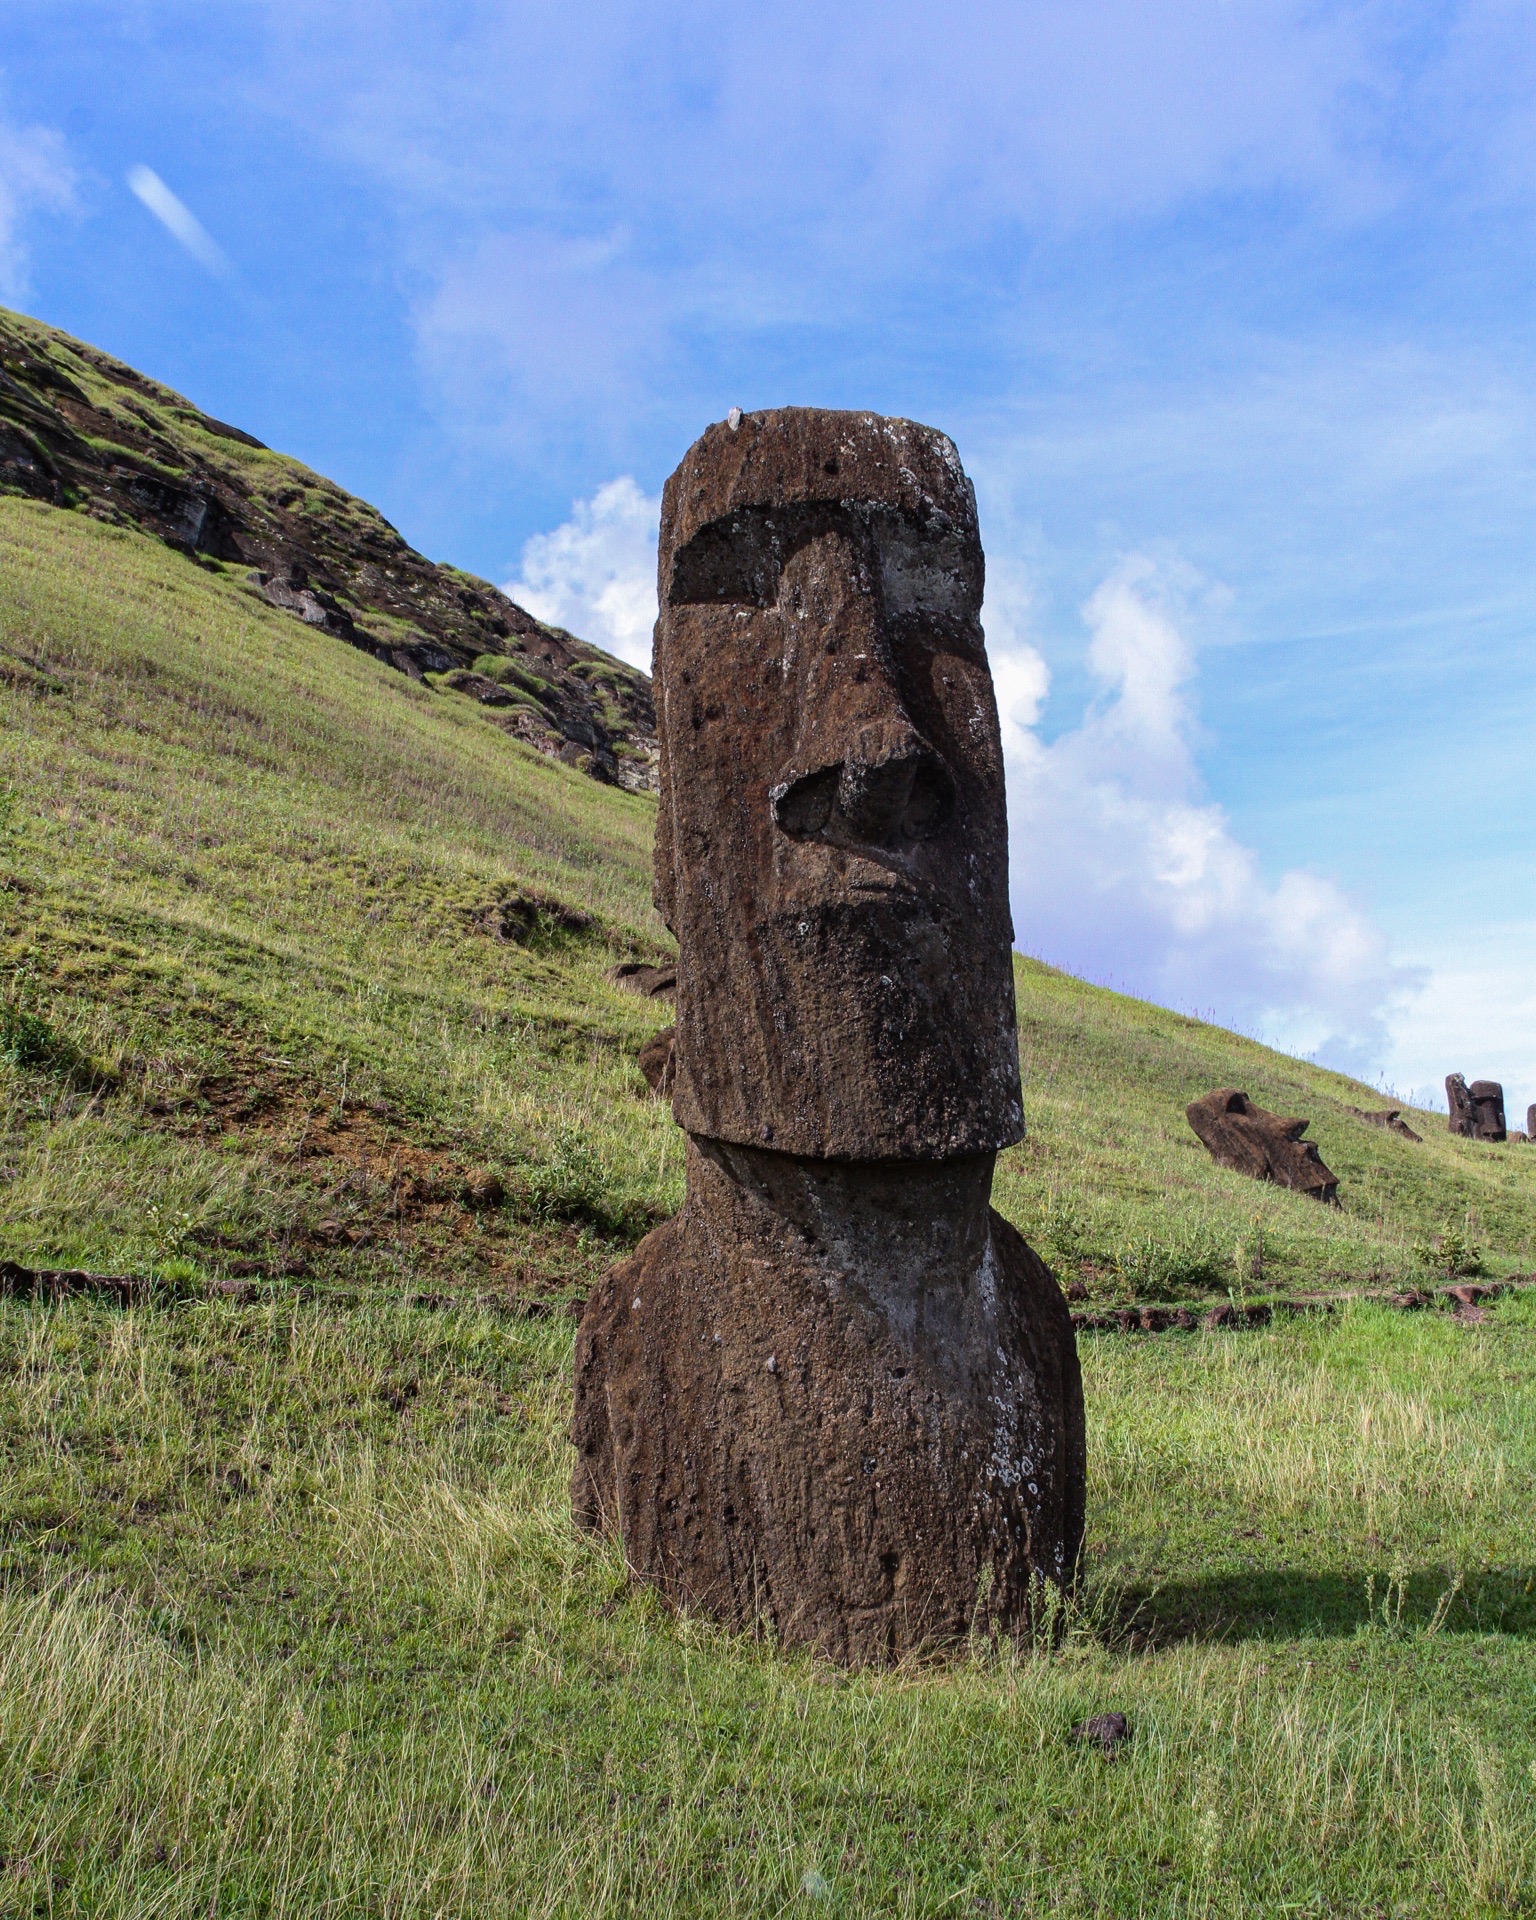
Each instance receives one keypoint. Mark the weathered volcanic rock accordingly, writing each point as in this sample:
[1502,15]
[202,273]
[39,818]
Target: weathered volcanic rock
[1265,1146]
[1477,1112]
[839,1396]
[831,847]
[1530,1123]
[641,976]
[837,1392]
[1391,1118]
[656,1062]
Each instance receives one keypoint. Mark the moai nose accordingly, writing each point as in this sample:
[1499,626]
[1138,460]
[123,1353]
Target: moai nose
[861,772]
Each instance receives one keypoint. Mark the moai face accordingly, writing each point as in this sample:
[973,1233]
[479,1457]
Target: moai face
[832,847]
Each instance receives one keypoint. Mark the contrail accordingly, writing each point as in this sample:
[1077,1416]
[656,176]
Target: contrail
[178,219]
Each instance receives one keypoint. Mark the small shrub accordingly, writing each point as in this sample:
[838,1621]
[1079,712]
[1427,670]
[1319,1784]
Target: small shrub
[1452,1253]
[27,1041]
[573,1185]
[1153,1269]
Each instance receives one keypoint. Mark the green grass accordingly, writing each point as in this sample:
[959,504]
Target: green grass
[378,1672]
[293,1619]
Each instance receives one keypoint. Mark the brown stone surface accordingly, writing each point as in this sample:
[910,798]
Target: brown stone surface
[831,846]
[1265,1146]
[1476,1112]
[841,1398]
[656,1062]
[837,1392]
[643,977]
[1391,1118]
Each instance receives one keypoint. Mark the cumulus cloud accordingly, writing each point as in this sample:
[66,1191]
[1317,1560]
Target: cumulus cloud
[1124,871]
[177,218]
[35,176]
[596,574]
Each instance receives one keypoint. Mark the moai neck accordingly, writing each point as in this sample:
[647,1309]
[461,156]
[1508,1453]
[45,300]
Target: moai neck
[898,1231]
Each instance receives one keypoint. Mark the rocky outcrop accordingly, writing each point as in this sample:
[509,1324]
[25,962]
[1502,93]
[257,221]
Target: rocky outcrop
[1265,1146]
[1476,1112]
[838,1392]
[80,430]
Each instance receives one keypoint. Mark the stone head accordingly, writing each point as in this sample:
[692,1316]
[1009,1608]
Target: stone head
[832,849]
[1265,1146]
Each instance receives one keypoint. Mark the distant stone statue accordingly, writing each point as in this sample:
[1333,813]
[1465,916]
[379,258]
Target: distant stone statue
[837,1393]
[1477,1112]
[1530,1123]
[1265,1146]
[1390,1118]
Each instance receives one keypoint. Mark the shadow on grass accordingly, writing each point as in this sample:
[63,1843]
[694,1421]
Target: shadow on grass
[1289,1605]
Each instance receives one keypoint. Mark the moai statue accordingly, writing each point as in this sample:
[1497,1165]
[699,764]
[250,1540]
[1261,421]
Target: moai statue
[838,1393]
[1265,1146]
[1530,1123]
[1477,1112]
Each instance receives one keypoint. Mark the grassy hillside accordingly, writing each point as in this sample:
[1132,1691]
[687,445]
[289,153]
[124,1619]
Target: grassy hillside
[293,1620]
[239,875]
[80,430]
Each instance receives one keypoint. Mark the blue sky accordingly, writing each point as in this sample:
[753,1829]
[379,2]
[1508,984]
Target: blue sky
[1228,306]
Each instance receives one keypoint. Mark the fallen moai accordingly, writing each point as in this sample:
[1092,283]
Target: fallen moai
[1265,1146]
[1388,1117]
[837,1392]
[656,1058]
[1477,1112]
[639,976]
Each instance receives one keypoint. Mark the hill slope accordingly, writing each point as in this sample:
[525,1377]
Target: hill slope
[305,981]
[79,429]
[247,875]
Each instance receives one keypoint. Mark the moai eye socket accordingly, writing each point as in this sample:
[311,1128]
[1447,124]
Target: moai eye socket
[736,559]
[923,570]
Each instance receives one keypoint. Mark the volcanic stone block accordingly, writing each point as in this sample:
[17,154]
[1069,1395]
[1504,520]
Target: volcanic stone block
[837,1392]
[1530,1123]
[1477,1112]
[1265,1146]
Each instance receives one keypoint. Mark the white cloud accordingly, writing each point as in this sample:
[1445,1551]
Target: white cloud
[1124,872]
[35,176]
[177,218]
[1476,1015]
[596,574]
[527,338]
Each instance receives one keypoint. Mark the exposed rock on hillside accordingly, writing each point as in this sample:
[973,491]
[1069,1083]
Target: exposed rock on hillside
[79,429]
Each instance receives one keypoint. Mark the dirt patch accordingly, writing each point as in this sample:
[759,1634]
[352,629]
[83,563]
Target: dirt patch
[368,1190]
[1466,1301]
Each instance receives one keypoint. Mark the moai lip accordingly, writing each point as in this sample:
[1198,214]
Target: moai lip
[837,1393]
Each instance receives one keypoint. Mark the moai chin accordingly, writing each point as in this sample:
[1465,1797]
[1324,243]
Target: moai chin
[837,1393]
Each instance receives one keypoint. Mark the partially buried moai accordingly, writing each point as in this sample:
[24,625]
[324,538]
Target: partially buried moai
[837,1392]
[1476,1112]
